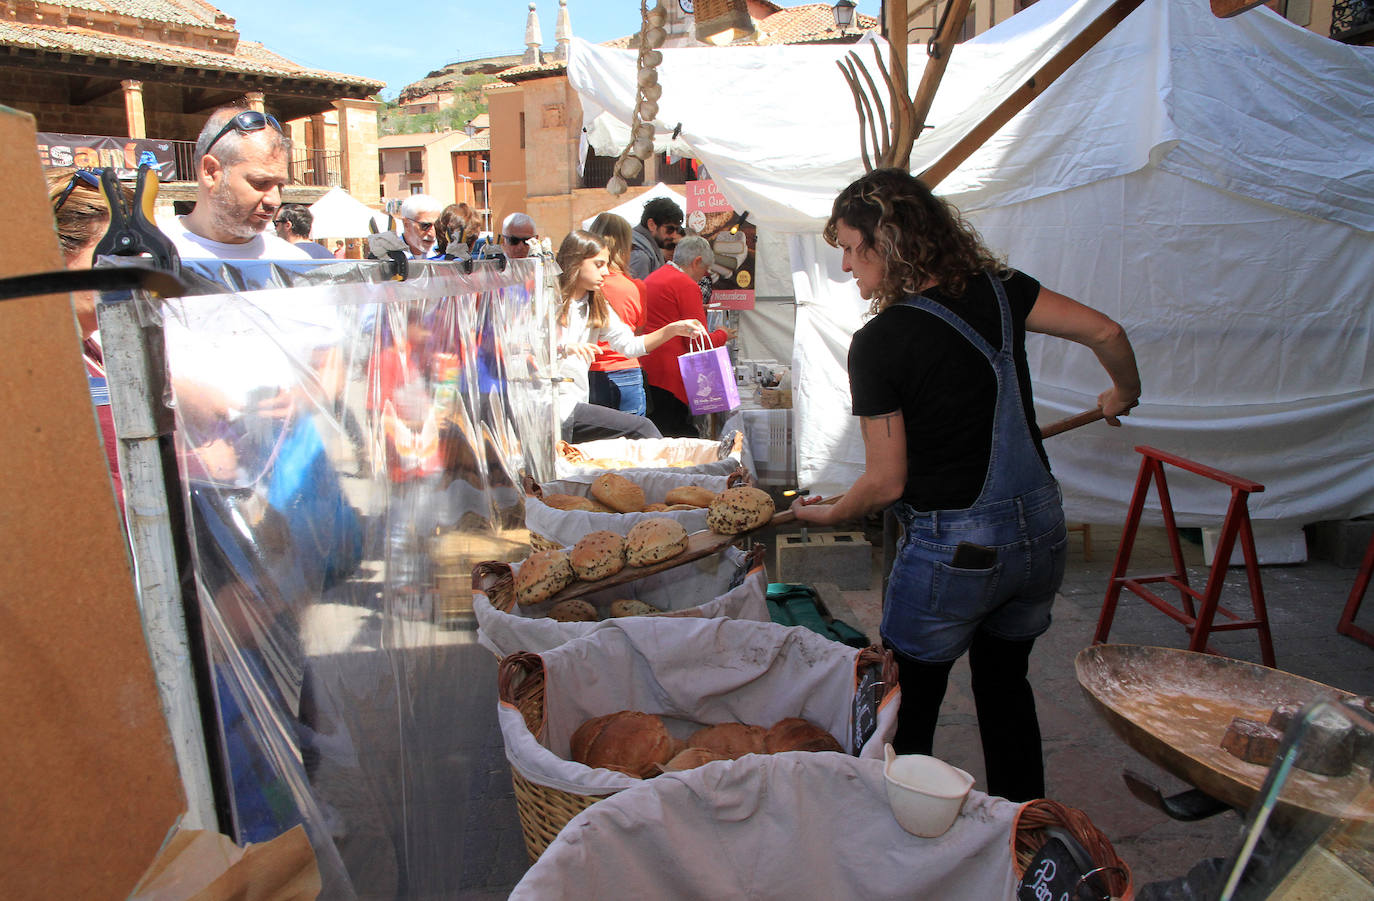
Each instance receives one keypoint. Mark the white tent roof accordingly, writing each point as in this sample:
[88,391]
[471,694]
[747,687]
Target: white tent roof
[339,215]
[1207,182]
[633,209]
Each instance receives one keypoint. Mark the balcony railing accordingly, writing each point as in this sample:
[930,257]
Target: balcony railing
[599,170]
[313,168]
[1352,21]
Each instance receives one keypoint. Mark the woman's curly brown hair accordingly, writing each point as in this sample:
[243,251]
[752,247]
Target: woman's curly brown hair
[922,238]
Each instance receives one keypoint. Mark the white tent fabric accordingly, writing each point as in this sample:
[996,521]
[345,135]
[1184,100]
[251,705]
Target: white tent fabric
[632,209]
[1207,182]
[339,215]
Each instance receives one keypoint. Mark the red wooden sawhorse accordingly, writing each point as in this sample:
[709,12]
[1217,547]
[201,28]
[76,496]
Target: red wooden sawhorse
[1198,621]
[1352,606]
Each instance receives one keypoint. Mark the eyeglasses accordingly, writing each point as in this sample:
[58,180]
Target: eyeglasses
[423,226]
[672,229]
[88,177]
[249,120]
[516,239]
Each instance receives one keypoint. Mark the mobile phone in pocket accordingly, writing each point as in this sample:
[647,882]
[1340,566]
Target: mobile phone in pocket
[968,555]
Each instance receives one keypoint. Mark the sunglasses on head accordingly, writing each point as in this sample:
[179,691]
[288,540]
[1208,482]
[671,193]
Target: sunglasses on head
[88,177]
[245,122]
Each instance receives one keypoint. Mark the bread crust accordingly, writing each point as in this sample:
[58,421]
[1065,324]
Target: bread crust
[797,734]
[573,610]
[731,740]
[618,492]
[566,502]
[740,509]
[597,555]
[654,540]
[627,740]
[542,576]
[692,495]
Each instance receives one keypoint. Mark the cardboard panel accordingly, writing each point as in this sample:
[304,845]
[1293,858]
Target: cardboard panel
[90,780]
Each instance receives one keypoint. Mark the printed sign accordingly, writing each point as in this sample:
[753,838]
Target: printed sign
[711,216]
[124,155]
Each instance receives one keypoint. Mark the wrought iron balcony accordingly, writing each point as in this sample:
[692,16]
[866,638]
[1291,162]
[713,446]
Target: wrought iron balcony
[1352,21]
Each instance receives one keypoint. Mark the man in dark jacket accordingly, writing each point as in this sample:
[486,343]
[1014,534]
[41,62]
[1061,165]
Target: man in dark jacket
[656,235]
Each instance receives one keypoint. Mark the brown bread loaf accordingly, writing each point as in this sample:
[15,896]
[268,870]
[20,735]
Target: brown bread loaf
[542,576]
[797,734]
[618,492]
[573,610]
[567,502]
[652,541]
[1251,741]
[732,740]
[691,759]
[738,510]
[633,742]
[597,555]
[692,495]
[631,607]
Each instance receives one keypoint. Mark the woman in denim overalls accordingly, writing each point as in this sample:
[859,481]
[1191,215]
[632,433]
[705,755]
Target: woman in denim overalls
[942,391]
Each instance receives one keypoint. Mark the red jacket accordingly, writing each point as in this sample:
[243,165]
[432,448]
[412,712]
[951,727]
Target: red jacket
[626,297]
[671,295]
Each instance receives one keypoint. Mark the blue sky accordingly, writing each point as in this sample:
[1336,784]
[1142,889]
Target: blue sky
[402,42]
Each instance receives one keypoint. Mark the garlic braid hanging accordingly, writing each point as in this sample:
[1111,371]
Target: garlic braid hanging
[630,162]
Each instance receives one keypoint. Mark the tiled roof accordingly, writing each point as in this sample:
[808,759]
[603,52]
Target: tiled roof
[476,142]
[179,12]
[249,57]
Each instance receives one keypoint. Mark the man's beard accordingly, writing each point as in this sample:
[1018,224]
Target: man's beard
[230,217]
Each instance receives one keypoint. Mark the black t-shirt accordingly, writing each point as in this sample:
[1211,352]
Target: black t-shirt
[910,360]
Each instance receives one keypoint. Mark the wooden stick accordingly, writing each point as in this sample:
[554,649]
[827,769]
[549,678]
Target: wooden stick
[936,63]
[1071,422]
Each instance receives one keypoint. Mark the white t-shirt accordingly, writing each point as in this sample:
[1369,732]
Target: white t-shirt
[191,246]
[572,369]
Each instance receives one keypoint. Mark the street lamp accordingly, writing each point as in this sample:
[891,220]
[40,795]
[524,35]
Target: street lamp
[844,14]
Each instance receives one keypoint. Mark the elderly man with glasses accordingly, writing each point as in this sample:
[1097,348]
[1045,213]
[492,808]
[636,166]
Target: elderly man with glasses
[517,231]
[657,234]
[241,167]
[419,213]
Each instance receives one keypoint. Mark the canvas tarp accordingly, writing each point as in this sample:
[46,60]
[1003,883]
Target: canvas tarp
[1209,183]
[339,214]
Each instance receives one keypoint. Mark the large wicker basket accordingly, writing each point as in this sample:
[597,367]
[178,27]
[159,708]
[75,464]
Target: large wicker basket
[1031,834]
[545,810]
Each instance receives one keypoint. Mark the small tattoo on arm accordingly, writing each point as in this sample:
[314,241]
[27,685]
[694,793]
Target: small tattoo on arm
[886,419]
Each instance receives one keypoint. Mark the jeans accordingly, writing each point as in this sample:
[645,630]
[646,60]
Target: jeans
[631,385]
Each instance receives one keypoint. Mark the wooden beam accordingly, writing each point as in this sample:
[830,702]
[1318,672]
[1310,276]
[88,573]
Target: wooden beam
[937,59]
[1033,87]
[81,90]
[895,29]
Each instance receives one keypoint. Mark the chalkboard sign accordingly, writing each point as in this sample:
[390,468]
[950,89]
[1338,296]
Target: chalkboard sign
[866,699]
[1057,874]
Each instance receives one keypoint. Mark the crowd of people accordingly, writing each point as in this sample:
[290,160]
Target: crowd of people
[938,379]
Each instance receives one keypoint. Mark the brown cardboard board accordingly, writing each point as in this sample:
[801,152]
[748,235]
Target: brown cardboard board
[90,780]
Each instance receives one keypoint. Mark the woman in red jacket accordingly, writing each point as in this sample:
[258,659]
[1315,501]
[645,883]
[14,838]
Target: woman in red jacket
[615,380]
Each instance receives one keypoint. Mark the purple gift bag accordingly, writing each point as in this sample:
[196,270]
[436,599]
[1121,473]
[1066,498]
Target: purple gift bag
[708,379]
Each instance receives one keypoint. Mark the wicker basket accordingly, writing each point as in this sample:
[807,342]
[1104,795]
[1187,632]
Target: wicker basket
[545,810]
[1031,824]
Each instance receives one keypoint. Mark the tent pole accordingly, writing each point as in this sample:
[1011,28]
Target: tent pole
[895,30]
[938,52]
[1034,87]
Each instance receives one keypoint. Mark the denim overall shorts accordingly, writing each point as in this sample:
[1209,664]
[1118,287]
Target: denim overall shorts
[932,609]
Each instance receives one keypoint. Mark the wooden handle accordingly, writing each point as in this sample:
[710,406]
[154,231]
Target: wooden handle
[787,516]
[1072,422]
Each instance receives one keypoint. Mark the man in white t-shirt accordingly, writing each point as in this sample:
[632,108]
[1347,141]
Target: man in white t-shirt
[241,166]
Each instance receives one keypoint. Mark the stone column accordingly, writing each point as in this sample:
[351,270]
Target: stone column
[358,149]
[319,174]
[256,100]
[133,108]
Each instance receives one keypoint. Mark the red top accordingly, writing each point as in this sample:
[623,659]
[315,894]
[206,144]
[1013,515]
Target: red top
[626,297]
[670,295]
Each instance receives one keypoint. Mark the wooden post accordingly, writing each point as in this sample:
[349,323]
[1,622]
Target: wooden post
[133,107]
[936,62]
[895,30]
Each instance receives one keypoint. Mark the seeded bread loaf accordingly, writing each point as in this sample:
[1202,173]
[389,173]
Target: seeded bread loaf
[738,510]
[598,555]
[573,610]
[692,495]
[618,493]
[632,608]
[652,541]
[542,576]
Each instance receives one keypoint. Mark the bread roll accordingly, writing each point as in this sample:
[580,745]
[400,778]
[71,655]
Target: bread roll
[738,510]
[732,740]
[691,759]
[652,541]
[655,508]
[542,576]
[637,742]
[1251,741]
[567,502]
[692,495]
[797,734]
[632,608]
[597,555]
[618,492]
[573,610]
[680,508]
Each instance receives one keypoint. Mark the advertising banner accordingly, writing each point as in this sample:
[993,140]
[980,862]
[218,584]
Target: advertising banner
[124,155]
[709,215]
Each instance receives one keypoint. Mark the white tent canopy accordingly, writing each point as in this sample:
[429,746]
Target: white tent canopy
[633,209]
[339,215]
[1209,183]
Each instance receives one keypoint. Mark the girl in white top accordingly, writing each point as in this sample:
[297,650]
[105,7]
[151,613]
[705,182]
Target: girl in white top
[585,318]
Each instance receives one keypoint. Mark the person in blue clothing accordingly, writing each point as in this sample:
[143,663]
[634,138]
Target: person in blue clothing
[939,381]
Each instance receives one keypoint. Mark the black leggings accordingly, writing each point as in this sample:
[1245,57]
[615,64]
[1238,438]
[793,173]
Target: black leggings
[1007,723]
[590,422]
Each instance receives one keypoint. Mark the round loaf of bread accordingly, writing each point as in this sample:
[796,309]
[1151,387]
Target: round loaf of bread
[632,608]
[598,555]
[655,508]
[691,759]
[618,492]
[629,741]
[573,610]
[567,502]
[797,734]
[738,510]
[732,740]
[652,541]
[692,495]
[542,576]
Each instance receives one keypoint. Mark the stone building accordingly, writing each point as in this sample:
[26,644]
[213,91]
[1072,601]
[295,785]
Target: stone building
[136,69]
[450,166]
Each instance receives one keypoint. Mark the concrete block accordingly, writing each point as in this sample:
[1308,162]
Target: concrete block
[1274,543]
[844,559]
[1340,542]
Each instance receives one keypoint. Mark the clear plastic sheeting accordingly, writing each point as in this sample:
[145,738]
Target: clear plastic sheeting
[350,447]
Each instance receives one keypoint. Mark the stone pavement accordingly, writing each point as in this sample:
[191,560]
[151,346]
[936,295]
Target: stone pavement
[1084,759]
